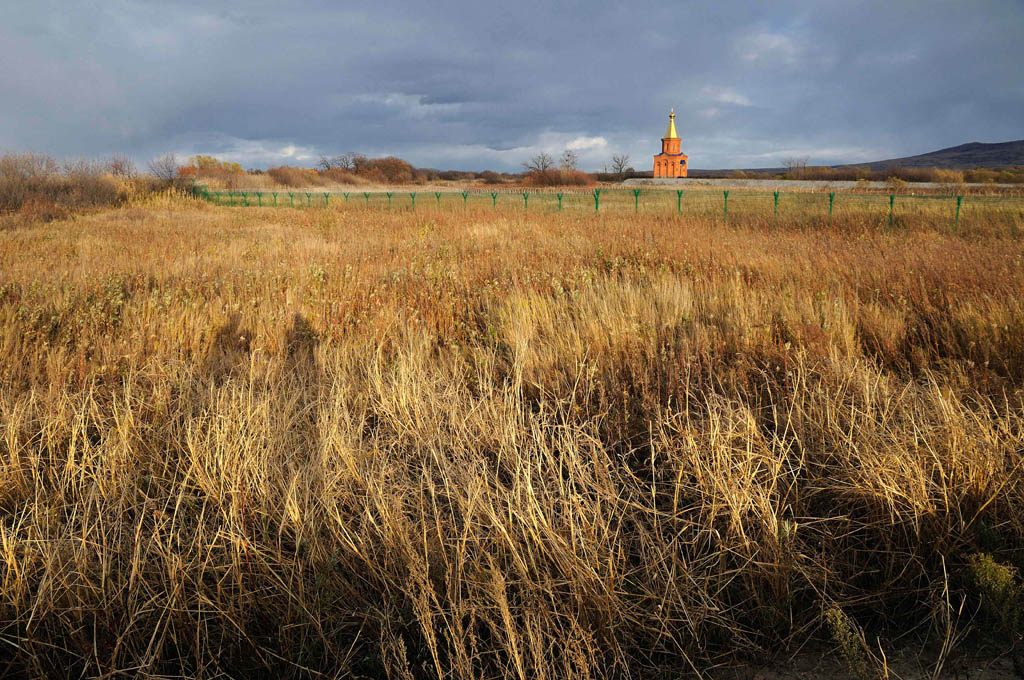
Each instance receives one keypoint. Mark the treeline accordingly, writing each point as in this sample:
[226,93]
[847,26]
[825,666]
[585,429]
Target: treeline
[345,169]
[38,186]
[392,170]
[356,169]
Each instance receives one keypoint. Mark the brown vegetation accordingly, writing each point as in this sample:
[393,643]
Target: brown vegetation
[559,177]
[287,176]
[477,443]
[38,187]
[207,169]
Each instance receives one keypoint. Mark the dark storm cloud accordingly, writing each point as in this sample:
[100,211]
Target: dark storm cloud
[473,85]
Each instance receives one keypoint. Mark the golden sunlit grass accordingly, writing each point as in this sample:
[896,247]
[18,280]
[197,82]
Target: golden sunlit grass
[484,443]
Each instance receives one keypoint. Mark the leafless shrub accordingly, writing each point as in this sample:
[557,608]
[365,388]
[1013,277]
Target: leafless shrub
[165,167]
[796,167]
[50,189]
[121,166]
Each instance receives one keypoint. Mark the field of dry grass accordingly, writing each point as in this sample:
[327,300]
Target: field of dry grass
[488,443]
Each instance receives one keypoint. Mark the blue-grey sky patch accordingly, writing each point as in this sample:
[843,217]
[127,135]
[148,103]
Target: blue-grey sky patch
[471,85]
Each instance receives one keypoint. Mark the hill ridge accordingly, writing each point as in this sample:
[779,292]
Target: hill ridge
[960,157]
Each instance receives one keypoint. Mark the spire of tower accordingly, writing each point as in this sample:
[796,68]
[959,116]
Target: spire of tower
[671,132]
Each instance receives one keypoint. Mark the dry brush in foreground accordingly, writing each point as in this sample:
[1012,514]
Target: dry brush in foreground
[484,445]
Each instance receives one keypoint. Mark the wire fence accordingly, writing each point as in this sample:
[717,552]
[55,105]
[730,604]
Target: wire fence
[700,202]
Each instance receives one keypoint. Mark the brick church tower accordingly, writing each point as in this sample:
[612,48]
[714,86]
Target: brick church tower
[671,162]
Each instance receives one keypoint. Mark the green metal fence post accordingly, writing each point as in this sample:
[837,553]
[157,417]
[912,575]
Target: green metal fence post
[309,199]
[559,200]
[465,197]
[366,195]
[526,200]
[274,194]
[636,201]
[597,199]
[956,221]
[494,199]
[725,207]
[259,198]
[388,194]
[679,201]
[892,202]
[776,214]
[413,197]
[291,199]
[345,194]
[245,199]
[831,199]
[437,195]
[327,199]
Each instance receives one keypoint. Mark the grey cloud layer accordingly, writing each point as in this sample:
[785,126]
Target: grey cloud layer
[474,85]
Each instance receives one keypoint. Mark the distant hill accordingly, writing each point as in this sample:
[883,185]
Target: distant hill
[963,157]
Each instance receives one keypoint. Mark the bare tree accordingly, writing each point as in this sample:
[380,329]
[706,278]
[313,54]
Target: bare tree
[569,160]
[619,163]
[165,167]
[345,161]
[121,166]
[796,168]
[540,163]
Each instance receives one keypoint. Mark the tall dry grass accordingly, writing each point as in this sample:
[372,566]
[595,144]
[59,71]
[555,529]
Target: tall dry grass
[483,444]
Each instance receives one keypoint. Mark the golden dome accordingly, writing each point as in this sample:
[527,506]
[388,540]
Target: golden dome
[671,132]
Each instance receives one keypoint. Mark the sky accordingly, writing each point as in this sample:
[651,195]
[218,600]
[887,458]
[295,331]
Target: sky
[473,85]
